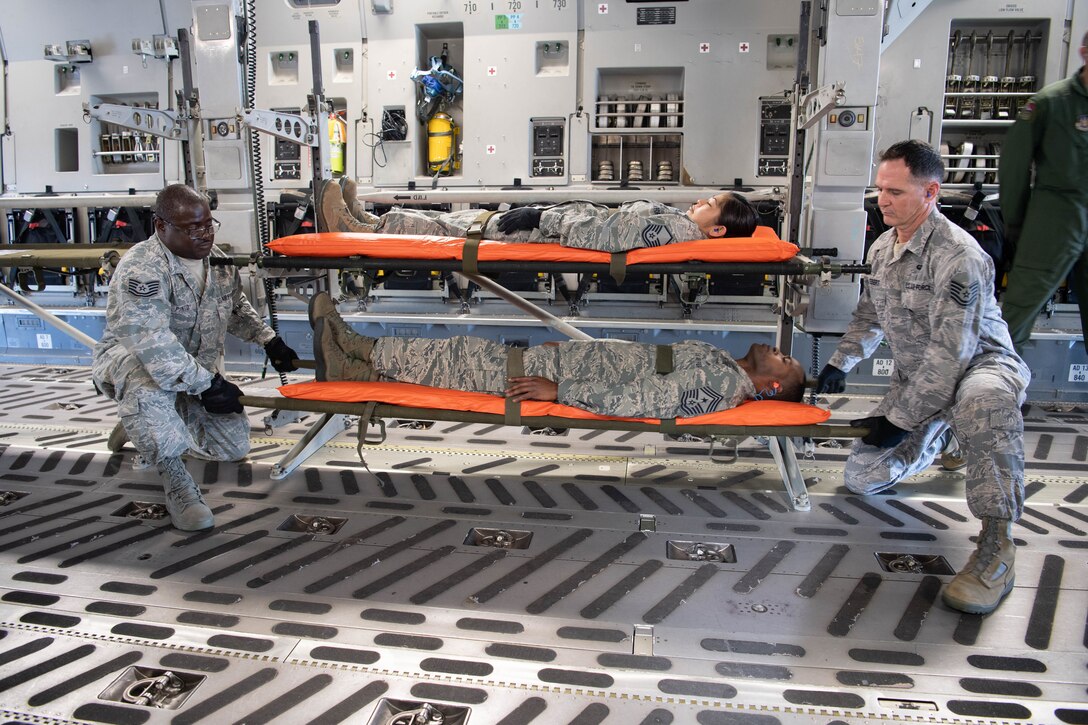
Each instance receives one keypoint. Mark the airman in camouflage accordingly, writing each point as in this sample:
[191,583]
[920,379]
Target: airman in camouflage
[607,377]
[166,320]
[928,297]
[580,224]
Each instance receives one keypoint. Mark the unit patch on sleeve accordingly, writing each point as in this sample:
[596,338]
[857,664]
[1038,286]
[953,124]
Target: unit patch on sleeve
[699,401]
[136,288]
[656,235]
[963,293]
[1082,122]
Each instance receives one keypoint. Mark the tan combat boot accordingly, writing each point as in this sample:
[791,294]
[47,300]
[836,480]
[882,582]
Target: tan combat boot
[118,438]
[340,353]
[989,575]
[332,212]
[187,508]
[952,456]
[351,198]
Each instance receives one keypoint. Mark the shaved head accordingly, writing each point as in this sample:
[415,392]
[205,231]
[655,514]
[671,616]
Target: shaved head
[172,201]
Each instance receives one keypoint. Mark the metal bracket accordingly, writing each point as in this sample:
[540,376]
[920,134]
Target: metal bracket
[164,124]
[293,127]
[321,432]
[785,456]
[818,103]
[642,642]
[280,417]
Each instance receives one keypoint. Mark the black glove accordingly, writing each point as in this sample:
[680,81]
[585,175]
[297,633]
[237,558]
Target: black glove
[526,217]
[280,355]
[882,432]
[221,396]
[831,380]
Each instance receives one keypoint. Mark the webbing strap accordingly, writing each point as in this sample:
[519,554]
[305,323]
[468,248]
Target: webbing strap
[365,420]
[663,361]
[617,266]
[515,368]
[471,251]
[668,425]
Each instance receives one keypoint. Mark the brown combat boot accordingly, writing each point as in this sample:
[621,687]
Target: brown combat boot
[351,198]
[332,212]
[989,575]
[340,353]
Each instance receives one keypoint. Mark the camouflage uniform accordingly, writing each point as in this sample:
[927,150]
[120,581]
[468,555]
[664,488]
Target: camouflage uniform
[580,224]
[954,365]
[161,348]
[607,377]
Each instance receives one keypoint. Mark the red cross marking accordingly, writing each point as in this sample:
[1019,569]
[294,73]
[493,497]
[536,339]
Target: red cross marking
[704,47]
[743,47]
[392,74]
[490,149]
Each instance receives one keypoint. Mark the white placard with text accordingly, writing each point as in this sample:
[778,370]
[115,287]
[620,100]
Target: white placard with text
[883,367]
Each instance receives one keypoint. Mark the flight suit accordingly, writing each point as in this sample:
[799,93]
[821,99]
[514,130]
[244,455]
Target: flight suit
[580,224]
[161,349]
[607,377]
[1050,132]
[954,366]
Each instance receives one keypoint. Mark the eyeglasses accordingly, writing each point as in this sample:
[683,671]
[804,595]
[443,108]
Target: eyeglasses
[196,233]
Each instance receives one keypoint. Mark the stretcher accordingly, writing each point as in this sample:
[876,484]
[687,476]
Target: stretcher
[373,403]
[762,253]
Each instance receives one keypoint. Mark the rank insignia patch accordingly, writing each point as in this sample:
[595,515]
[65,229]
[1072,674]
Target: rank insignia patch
[963,294]
[656,235]
[699,401]
[137,288]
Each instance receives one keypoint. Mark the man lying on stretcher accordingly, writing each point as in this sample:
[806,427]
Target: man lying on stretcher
[607,377]
[580,224]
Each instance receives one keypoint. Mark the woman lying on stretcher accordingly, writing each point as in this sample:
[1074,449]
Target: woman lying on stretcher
[607,377]
[581,224]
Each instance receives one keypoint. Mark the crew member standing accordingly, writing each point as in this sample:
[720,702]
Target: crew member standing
[1048,220]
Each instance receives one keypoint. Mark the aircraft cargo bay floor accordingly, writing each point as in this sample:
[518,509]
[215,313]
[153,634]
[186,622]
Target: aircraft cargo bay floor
[495,575]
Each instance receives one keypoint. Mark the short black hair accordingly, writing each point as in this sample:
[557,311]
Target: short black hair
[924,162]
[792,390]
[738,216]
[170,201]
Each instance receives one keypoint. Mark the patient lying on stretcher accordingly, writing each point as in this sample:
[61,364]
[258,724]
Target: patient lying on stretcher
[580,224]
[607,377]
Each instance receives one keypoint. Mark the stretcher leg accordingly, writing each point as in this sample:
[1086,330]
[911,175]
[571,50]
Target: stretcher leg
[321,432]
[785,455]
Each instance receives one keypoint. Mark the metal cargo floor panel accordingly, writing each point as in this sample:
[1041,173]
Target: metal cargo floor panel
[350,592]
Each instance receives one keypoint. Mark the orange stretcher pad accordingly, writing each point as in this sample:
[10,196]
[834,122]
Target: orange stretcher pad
[753,413]
[763,246]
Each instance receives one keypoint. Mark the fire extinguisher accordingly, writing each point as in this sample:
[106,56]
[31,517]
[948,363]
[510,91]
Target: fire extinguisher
[443,137]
